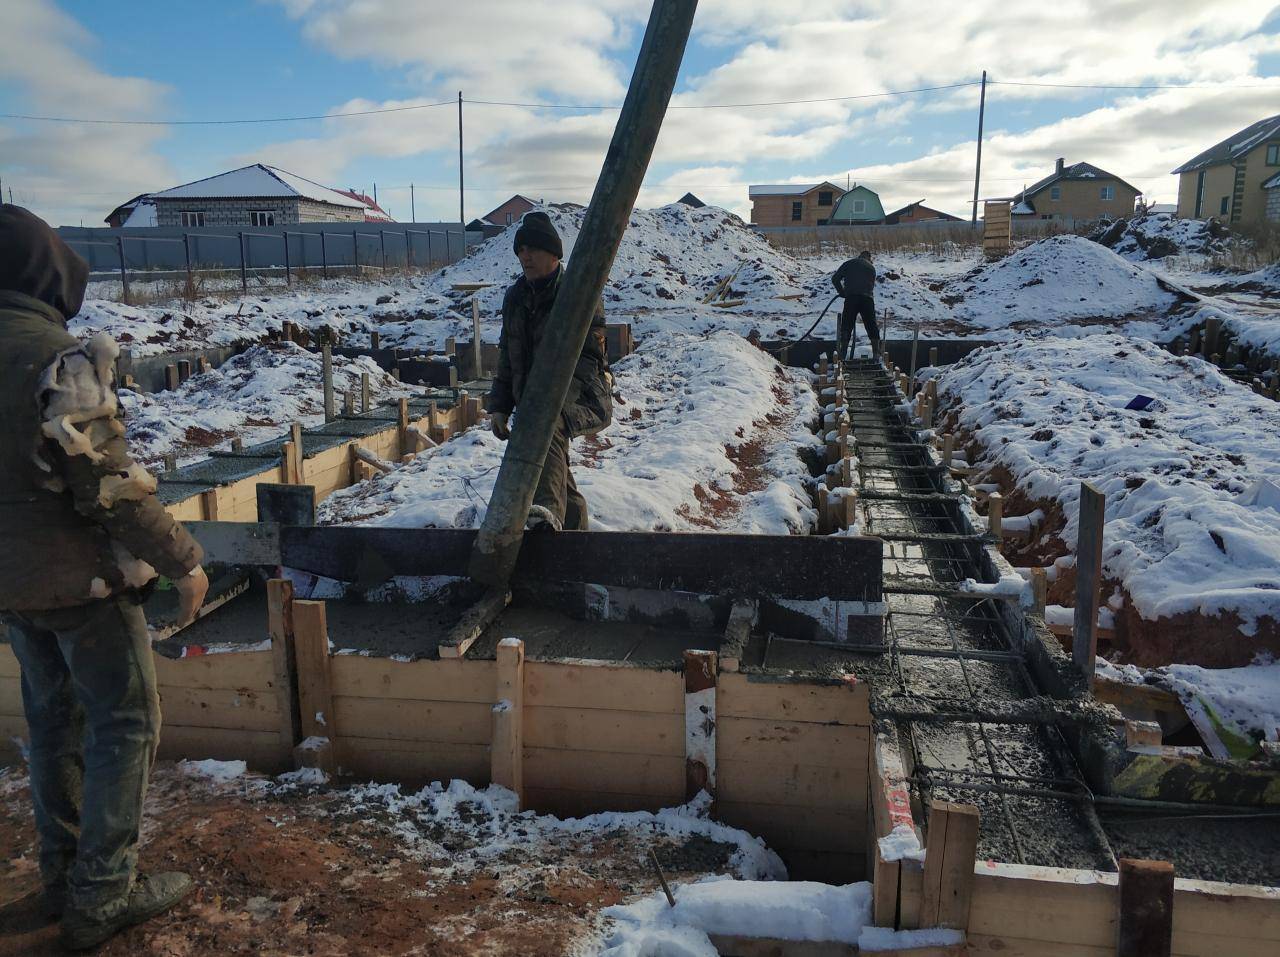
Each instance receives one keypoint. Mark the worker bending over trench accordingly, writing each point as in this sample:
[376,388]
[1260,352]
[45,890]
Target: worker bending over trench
[588,406]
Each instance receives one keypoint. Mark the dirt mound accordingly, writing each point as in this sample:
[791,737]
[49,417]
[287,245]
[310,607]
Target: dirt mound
[1157,235]
[1054,281]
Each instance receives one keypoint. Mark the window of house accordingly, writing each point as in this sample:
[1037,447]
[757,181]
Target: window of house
[797,210]
[859,205]
[1225,206]
[510,220]
[262,217]
[192,217]
[1055,192]
[1273,154]
[1108,192]
[1199,193]
[824,199]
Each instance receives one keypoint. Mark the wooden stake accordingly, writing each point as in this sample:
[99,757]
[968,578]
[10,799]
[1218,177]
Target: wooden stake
[933,356]
[348,403]
[170,462]
[364,392]
[948,865]
[1146,909]
[209,505]
[699,723]
[296,466]
[506,755]
[1084,633]
[402,425]
[1039,589]
[948,449]
[477,367]
[824,520]
[284,658]
[171,377]
[326,381]
[184,370]
[375,340]
[995,515]
[315,695]
[237,444]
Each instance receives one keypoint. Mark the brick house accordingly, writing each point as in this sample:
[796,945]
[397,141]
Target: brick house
[918,212]
[510,211]
[793,204]
[1080,192]
[1237,180]
[256,195]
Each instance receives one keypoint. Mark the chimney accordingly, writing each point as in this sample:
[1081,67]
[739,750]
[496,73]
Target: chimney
[1058,168]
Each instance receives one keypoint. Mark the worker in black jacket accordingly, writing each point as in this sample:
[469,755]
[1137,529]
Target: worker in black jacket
[856,282]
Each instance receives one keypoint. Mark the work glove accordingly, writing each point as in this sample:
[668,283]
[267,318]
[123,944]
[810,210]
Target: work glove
[499,425]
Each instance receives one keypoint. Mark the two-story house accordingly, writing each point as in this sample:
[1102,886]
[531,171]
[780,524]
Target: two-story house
[1080,192]
[1237,180]
[793,204]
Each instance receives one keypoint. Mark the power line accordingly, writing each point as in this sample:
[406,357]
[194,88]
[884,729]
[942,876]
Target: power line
[424,106]
[1138,86]
[272,119]
[737,106]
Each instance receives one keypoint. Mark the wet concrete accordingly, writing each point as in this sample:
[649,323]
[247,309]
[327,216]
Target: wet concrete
[1241,851]
[550,634]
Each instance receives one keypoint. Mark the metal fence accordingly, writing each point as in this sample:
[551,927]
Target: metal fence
[175,253]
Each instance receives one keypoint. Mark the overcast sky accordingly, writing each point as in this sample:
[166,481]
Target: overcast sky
[260,59]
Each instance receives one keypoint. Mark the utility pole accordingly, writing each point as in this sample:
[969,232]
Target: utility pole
[375,194]
[462,216]
[413,209]
[977,172]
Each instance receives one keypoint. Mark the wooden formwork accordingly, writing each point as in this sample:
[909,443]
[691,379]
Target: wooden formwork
[328,470]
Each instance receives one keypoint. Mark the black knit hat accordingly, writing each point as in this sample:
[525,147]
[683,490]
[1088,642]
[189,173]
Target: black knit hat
[538,232]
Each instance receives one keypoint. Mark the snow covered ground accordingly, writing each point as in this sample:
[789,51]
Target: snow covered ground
[1189,528]
[1161,235]
[254,396]
[705,436]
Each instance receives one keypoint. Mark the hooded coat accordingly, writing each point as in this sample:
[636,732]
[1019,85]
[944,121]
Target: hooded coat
[79,519]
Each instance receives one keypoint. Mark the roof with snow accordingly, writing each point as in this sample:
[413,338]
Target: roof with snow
[1076,171]
[256,182]
[1272,183]
[787,189]
[1235,145]
[918,206]
[373,213]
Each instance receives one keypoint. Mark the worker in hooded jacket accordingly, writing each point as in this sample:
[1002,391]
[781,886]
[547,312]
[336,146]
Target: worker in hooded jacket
[588,407]
[82,539]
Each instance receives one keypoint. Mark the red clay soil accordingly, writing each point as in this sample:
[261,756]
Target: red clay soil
[289,873]
[1186,638]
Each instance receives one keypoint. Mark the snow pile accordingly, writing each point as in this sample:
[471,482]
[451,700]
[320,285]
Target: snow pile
[1054,281]
[1157,235]
[1180,536]
[484,828]
[253,396]
[797,911]
[705,436]
[1260,330]
[219,772]
[1246,701]
[1266,279]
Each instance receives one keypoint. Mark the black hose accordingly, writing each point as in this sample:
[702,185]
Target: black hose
[808,332]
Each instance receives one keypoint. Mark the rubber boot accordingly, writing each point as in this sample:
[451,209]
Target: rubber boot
[541,519]
[151,896]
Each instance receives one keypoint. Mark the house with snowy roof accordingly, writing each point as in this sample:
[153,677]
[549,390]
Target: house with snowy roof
[1080,192]
[373,213]
[793,204]
[256,195]
[1236,180]
[139,211]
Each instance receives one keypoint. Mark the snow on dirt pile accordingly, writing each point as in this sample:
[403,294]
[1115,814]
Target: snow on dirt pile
[1059,280]
[253,396]
[1158,235]
[1265,280]
[704,435]
[1191,526]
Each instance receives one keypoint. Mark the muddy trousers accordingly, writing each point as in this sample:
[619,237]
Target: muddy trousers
[854,306]
[93,713]
[557,492]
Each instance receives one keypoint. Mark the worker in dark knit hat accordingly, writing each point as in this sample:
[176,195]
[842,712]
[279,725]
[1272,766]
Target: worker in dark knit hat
[588,406]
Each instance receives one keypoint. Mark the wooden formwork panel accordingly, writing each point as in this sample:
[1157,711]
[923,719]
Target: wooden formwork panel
[606,772]
[602,686]
[455,679]
[435,722]
[746,696]
[592,729]
[413,762]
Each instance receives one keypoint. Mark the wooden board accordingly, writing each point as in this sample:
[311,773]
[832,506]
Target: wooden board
[587,729]
[605,772]
[798,786]
[414,763]
[442,722]
[603,687]
[746,696]
[815,829]
[566,803]
[261,750]
[792,742]
[251,670]
[219,708]
[8,662]
[423,680]
[784,566]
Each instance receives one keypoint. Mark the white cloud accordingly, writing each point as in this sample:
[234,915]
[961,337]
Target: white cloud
[68,172]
